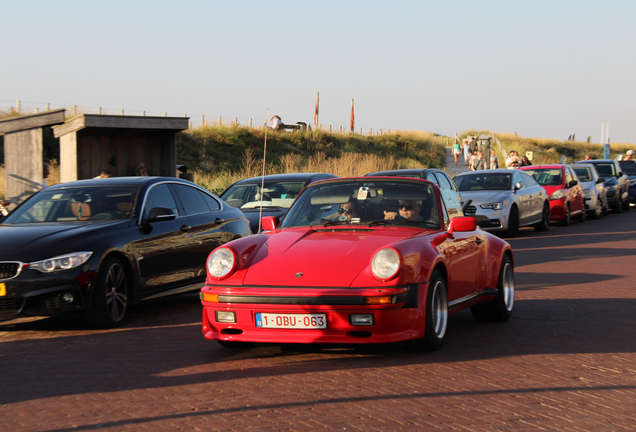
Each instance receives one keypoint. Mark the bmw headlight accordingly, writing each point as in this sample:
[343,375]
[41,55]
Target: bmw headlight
[386,263]
[62,262]
[222,262]
[492,206]
[557,194]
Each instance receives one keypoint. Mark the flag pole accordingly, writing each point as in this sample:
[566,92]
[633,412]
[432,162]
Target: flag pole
[260,213]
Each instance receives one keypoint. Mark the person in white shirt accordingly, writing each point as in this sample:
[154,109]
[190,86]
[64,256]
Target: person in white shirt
[513,160]
[278,123]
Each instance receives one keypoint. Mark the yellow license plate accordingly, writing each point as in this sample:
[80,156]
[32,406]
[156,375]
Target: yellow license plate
[3,289]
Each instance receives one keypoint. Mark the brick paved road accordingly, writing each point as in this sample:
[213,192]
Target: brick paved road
[565,361]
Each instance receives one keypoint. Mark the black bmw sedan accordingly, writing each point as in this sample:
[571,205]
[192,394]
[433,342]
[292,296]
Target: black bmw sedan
[94,247]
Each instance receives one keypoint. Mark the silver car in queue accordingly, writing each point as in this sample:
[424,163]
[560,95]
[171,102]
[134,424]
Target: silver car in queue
[593,188]
[503,200]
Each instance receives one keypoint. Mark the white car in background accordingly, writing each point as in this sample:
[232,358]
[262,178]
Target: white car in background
[504,200]
[593,188]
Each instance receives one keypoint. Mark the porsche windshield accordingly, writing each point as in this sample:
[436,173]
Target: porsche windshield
[483,181]
[275,194]
[75,204]
[359,202]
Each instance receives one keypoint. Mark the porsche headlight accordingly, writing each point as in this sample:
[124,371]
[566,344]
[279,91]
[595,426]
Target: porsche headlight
[221,262]
[492,206]
[62,262]
[386,263]
[557,194]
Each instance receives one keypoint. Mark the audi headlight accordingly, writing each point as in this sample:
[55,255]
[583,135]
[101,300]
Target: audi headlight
[221,263]
[62,262]
[386,263]
[557,194]
[492,206]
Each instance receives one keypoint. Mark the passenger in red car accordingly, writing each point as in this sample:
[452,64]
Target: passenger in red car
[408,209]
[347,211]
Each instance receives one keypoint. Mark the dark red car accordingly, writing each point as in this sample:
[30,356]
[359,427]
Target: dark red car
[357,261]
[564,191]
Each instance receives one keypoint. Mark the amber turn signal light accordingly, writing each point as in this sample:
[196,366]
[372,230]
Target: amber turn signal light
[379,300]
[212,298]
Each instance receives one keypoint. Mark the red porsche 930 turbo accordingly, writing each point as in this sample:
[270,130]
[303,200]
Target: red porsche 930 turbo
[358,261]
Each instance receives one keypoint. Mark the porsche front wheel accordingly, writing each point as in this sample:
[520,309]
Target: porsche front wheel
[436,315]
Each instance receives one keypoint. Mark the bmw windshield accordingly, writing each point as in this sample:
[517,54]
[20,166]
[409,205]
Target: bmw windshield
[75,204]
[358,202]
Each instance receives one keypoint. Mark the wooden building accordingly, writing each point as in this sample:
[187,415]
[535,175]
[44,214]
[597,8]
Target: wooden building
[90,143]
[23,149]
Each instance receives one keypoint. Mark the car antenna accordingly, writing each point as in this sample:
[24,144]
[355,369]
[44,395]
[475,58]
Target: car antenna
[260,212]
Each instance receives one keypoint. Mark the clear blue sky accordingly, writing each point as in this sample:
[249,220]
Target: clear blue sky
[539,68]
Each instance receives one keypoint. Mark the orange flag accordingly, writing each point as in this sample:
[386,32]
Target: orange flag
[352,122]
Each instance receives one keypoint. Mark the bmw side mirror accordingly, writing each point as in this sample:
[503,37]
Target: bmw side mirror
[518,185]
[572,183]
[160,214]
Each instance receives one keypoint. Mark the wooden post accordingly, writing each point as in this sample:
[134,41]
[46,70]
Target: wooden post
[165,114]
[17,106]
[340,129]
[370,132]
[250,123]
[190,125]
[235,121]
[143,113]
[202,120]
[220,122]
[36,110]
[99,110]
[121,111]
[74,110]
[380,131]
[360,131]
[48,107]
[329,128]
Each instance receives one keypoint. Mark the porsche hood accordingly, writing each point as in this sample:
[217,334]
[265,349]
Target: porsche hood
[317,257]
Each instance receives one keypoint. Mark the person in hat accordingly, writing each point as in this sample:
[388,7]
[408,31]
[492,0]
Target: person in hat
[629,155]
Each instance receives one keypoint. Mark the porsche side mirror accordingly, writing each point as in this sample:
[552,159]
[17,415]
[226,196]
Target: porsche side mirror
[160,214]
[461,224]
[268,223]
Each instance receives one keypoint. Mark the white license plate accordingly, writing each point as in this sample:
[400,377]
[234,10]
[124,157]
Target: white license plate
[291,321]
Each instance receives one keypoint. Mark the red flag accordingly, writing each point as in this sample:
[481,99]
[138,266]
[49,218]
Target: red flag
[316,111]
[352,122]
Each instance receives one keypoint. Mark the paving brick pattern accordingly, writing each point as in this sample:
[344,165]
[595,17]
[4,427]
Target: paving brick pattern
[566,361]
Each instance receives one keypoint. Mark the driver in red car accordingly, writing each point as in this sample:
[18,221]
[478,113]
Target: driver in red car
[408,209]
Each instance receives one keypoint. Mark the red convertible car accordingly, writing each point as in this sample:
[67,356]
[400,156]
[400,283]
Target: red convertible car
[356,261]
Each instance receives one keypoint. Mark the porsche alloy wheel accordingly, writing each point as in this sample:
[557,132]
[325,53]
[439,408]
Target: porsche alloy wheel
[499,309]
[110,297]
[436,315]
